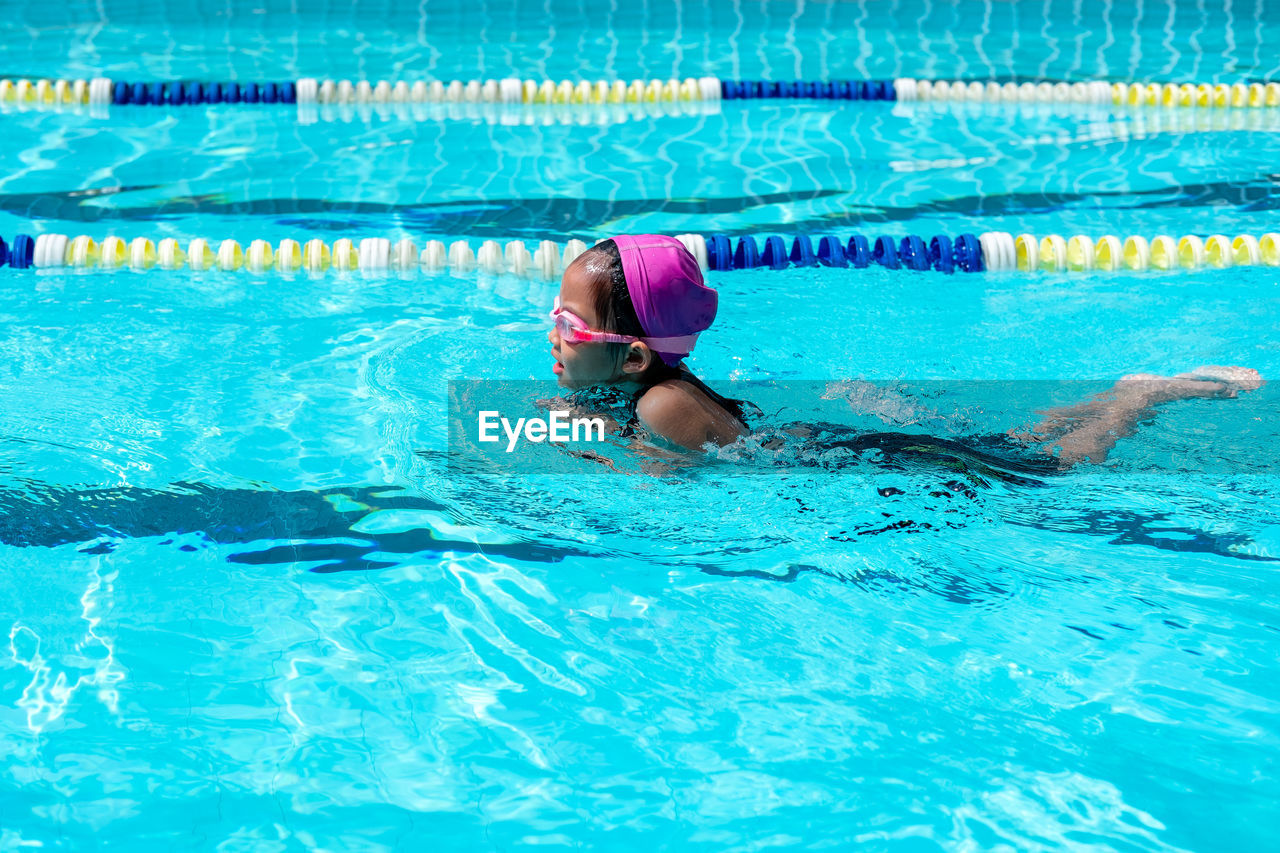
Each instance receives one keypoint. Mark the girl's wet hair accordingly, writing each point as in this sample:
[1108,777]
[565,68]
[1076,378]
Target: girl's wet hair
[613,305]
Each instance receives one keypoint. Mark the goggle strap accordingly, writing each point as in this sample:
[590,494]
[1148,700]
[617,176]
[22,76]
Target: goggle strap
[680,343]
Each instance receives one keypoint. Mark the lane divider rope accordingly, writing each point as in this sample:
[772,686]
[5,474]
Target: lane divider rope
[104,91]
[995,251]
[1097,92]
[575,114]
[372,254]
[509,91]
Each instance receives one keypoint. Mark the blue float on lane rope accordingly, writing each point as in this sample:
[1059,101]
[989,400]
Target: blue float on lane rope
[802,252]
[968,253]
[774,255]
[23,252]
[719,252]
[858,251]
[942,254]
[747,255]
[913,254]
[885,253]
[831,253]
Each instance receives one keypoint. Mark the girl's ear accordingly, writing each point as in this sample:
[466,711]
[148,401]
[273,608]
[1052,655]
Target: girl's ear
[638,359]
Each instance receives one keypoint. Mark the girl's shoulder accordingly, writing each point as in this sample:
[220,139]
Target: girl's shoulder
[684,410]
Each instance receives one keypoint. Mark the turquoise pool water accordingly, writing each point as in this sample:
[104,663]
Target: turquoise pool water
[248,605]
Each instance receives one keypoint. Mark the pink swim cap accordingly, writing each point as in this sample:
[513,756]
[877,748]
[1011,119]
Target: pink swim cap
[667,291]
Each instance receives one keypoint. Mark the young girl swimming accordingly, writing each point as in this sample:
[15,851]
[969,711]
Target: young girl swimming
[631,308]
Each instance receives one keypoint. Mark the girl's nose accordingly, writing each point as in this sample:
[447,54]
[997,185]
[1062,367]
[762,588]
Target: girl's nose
[553,336]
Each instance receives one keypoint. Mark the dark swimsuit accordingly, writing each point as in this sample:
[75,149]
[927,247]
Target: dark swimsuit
[622,406]
[997,455]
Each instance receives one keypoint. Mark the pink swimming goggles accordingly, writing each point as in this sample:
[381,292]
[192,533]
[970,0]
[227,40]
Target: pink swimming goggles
[575,330]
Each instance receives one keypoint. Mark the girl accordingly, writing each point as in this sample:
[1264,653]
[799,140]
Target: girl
[631,308]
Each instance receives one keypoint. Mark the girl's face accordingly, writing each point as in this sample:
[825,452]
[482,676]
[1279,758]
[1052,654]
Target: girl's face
[585,364]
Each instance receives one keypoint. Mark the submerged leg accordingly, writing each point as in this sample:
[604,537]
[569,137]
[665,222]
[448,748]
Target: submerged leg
[1087,432]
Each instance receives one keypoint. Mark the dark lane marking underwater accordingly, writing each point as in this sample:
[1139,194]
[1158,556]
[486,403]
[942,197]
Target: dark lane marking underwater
[557,218]
[46,516]
[554,218]
[1260,193]
[300,526]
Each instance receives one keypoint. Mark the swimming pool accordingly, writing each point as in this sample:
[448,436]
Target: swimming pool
[250,606]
